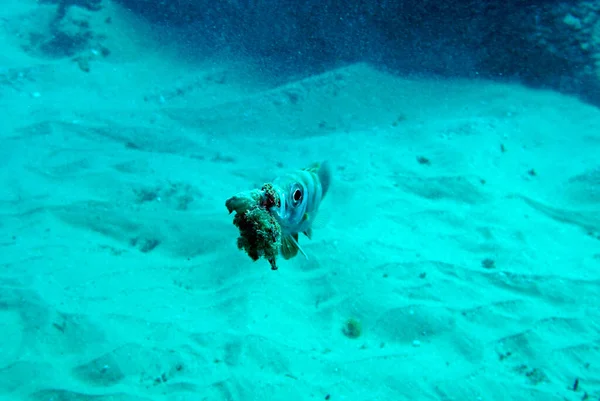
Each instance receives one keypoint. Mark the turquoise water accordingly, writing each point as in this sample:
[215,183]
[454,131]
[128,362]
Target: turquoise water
[454,257]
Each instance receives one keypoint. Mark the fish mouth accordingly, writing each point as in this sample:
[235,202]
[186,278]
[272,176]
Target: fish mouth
[280,212]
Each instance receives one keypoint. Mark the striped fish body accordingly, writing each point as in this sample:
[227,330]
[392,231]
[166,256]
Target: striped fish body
[300,194]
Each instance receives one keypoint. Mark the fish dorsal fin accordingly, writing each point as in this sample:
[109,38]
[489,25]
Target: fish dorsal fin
[313,168]
[290,246]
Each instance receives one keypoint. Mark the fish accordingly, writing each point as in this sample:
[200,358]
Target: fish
[300,194]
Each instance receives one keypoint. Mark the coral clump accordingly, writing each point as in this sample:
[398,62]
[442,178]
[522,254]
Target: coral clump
[260,233]
[352,328]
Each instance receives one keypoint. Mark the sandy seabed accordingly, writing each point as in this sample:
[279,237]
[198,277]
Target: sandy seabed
[462,232]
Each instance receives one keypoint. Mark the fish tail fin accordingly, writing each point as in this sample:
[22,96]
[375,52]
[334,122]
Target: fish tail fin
[325,176]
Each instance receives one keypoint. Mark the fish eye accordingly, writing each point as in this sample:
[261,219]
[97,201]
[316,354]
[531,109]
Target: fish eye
[296,195]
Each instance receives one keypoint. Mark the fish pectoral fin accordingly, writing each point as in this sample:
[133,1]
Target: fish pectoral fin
[290,246]
[308,233]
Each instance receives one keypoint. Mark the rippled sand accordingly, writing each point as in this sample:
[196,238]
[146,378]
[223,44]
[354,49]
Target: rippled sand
[462,232]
